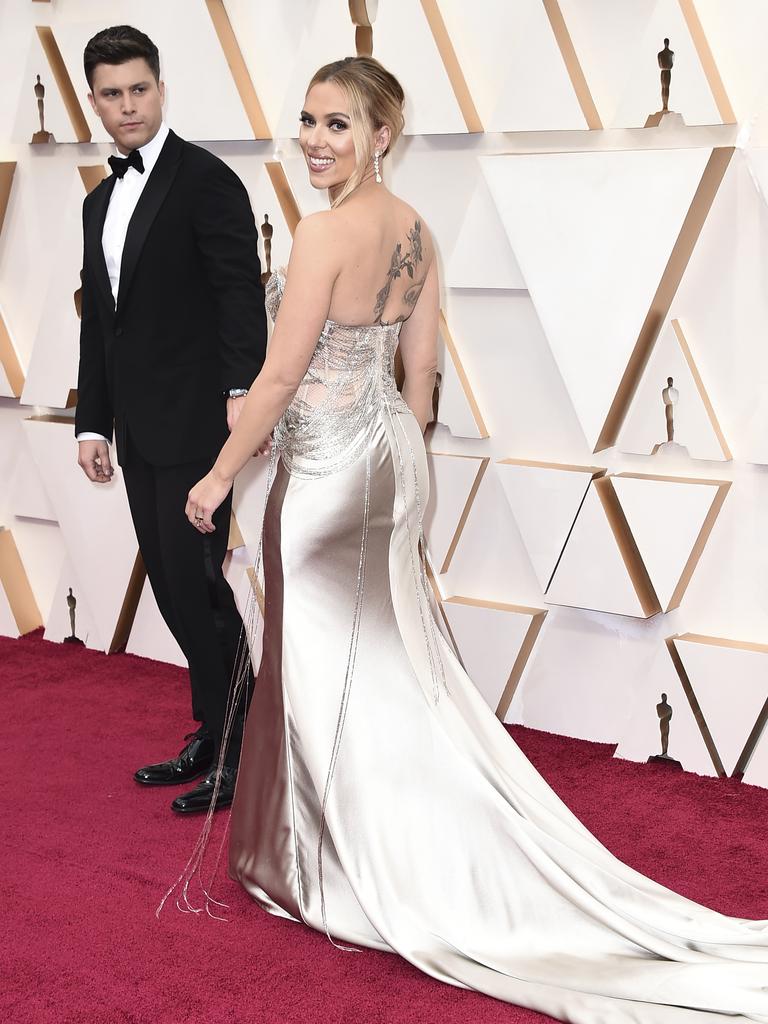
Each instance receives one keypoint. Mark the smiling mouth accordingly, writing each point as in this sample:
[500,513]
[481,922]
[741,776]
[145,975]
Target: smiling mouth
[319,164]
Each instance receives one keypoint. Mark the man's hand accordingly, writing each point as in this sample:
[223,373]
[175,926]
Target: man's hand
[93,459]
[234,408]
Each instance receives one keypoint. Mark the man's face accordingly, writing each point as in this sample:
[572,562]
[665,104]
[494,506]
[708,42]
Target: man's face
[129,102]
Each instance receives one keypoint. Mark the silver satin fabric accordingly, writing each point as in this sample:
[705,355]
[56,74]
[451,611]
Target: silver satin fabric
[441,841]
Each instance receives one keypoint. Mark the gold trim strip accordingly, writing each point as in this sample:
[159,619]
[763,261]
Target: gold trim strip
[698,714]
[526,648]
[707,61]
[466,387]
[452,66]
[7,170]
[710,410]
[627,546]
[560,466]
[572,64]
[10,361]
[129,607]
[753,739]
[465,514]
[235,539]
[15,583]
[716,641]
[64,83]
[701,204]
[92,175]
[698,547]
[284,194]
[239,69]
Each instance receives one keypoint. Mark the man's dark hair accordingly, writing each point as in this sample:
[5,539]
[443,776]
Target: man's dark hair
[117,45]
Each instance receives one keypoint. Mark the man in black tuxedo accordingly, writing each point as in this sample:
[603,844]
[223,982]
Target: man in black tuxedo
[173,333]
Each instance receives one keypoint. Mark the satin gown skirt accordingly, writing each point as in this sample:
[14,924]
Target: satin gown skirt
[440,840]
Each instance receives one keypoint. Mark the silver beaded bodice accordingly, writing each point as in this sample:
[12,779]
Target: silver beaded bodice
[333,413]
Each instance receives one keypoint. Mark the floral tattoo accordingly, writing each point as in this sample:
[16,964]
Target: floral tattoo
[403,262]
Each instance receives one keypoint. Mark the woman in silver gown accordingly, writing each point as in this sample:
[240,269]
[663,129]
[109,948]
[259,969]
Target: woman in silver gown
[378,797]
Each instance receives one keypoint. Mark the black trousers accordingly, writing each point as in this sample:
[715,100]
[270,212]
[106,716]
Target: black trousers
[185,570]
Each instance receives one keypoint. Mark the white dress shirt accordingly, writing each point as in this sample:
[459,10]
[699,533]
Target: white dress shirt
[122,203]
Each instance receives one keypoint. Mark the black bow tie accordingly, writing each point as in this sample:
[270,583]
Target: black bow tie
[120,164]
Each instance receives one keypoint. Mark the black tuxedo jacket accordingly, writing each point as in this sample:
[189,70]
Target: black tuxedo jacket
[190,320]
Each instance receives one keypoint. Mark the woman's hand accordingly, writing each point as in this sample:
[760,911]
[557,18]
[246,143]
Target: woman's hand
[204,498]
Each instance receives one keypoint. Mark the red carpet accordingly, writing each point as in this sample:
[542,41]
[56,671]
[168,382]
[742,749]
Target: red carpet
[87,855]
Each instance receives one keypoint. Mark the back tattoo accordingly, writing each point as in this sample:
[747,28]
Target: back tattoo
[403,262]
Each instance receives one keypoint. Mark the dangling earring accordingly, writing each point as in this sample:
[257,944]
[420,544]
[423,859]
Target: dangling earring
[376,168]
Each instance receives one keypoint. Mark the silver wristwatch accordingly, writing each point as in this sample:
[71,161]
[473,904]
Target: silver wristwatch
[237,392]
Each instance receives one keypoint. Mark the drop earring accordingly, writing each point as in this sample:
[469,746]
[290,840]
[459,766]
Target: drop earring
[376,167]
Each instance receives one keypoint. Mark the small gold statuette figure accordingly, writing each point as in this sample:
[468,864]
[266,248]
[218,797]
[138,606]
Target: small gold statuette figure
[670,396]
[42,135]
[664,711]
[72,606]
[267,230]
[665,117]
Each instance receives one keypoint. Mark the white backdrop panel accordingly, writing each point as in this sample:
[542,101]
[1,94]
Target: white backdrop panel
[592,233]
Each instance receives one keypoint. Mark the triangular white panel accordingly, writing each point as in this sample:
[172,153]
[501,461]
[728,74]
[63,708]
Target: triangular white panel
[617,45]
[591,572]
[645,425]
[150,637]
[718,300]
[592,233]
[239,573]
[457,405]
[641,738]
[95,522]
[731,686]
[451,479]
[545,500]
[58,625]
[507,52]
[269,36]
[489,638]
[666,517]
[742,67]
[53,366]
[29,497]
[482,256]
[249,500]
[402,41]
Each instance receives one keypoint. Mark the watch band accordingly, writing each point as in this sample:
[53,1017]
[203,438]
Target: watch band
[236,392]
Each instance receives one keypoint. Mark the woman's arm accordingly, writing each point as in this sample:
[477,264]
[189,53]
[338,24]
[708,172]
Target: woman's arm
[418,349]
[312,272]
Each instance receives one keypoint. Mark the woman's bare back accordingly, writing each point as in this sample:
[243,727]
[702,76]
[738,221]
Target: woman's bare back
[387,252]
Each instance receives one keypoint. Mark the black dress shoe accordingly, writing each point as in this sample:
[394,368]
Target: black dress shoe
[199,798]
[194,760]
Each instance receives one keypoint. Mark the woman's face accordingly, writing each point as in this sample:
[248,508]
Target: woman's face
[325,136]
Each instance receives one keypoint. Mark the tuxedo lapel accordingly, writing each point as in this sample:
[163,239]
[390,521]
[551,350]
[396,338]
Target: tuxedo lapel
[150,201]
[94,229]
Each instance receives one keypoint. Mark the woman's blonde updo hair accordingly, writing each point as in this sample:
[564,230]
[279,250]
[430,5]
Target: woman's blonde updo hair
[375,99]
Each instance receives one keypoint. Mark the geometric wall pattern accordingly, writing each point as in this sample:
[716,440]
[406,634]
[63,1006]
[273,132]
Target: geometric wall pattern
[584,260]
